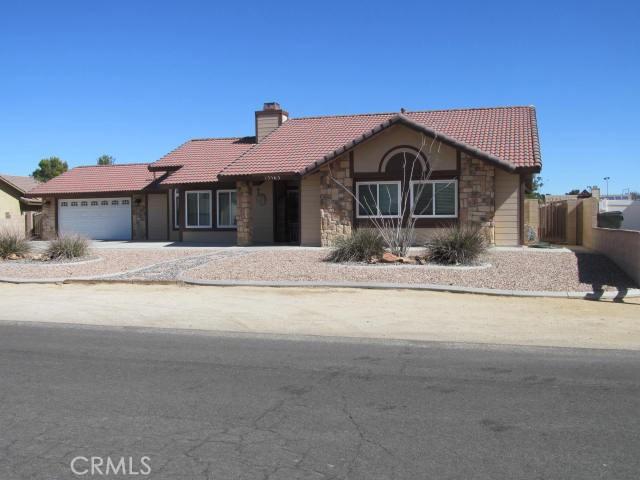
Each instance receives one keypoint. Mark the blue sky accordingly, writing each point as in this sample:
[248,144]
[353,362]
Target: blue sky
[135,79]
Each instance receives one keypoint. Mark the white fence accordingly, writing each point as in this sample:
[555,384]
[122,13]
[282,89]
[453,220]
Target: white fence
[630,210]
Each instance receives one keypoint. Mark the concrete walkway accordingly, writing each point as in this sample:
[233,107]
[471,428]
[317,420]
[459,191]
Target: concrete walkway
[391,314]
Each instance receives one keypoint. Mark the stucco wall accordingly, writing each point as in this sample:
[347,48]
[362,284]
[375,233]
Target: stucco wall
[621,246]
[158,212]
[10,215]
[368,155]
[225,237]
[506,216]
[310,213]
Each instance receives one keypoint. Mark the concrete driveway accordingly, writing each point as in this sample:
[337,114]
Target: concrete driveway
[389,314]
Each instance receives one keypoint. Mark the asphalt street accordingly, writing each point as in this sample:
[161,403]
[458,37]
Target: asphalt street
[213,406]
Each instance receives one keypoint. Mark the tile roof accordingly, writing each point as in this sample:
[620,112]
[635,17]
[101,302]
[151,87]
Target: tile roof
[507,134]
[201,160]
[24,184]
[105,178]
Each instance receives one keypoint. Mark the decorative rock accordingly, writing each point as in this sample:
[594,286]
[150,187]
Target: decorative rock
[419,261]
[13,256]
[388,257]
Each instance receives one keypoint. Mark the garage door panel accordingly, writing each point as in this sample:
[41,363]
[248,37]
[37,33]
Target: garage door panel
[96,218]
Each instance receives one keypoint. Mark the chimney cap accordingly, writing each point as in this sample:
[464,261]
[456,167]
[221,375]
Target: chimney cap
[271,106]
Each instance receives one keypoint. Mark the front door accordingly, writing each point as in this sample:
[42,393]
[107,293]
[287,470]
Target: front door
[287,212]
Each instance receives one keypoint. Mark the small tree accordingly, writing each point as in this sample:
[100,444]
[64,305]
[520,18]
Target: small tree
[398,232]
[536,187]
[49,168]
[106,160]
[575,191]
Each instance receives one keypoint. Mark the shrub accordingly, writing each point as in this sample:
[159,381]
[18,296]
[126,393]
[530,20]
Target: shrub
[68,246]
[458,245]
[357,247]
[12,241]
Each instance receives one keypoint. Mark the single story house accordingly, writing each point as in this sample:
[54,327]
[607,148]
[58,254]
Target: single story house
[16,209]
[309,180]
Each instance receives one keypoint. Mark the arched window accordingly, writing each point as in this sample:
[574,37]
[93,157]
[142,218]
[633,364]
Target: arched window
[402,161]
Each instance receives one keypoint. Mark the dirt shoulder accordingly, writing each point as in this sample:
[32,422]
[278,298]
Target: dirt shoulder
[393,314]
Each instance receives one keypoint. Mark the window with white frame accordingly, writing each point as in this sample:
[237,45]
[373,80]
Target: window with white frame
[226,205]
[378,199]
[198,209]
[176,209]
[434,198]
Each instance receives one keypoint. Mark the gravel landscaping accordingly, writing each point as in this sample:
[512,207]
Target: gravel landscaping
[511,270]
[498,269]
[109,261]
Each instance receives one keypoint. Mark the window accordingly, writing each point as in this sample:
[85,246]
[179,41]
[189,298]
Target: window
[94,203]
[198,209]
[64,204]
[378,199]
[84,204]
[176,209]
[114,202]
[104,202]
[74,204]
[227,202]
[125,202]
[434,198]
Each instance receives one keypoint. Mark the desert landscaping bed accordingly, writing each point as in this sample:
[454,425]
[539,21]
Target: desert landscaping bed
[511,270]
[99,262]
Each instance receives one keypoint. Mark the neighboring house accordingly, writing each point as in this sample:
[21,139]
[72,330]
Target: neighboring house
[277,186]
[16,210]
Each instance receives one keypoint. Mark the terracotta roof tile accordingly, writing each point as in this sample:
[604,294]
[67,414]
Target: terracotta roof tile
[507,133]
[201,160]
[105,178]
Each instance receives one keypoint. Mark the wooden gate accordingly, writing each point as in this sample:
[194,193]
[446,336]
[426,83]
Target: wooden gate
[553,222]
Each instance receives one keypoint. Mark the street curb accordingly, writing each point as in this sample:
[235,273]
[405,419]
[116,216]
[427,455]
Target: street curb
[609,295]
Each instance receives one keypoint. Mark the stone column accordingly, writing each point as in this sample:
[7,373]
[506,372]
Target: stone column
[139,217]
[244,213]
[336,205]
[48,231]
[477,194]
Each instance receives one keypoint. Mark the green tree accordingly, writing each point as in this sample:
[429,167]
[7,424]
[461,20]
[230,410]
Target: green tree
[106,160]
[534,189]
[49,168]
[575,191]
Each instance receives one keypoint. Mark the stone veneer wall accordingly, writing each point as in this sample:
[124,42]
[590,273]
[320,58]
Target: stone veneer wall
[139,217]
[477,193]
[244,213]
[336,205]
[49,219]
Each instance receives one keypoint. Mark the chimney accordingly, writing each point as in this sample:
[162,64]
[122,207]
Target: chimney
[268,119]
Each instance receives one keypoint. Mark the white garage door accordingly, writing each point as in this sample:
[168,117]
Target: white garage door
[96,218]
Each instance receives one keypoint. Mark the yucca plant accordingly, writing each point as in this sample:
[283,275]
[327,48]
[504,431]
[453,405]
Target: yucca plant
[13,242]
[68,246]
[360,246]
[457,245]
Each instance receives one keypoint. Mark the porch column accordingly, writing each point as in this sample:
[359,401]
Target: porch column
[244,213]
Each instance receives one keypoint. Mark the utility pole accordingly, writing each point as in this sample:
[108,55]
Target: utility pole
[606,179]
